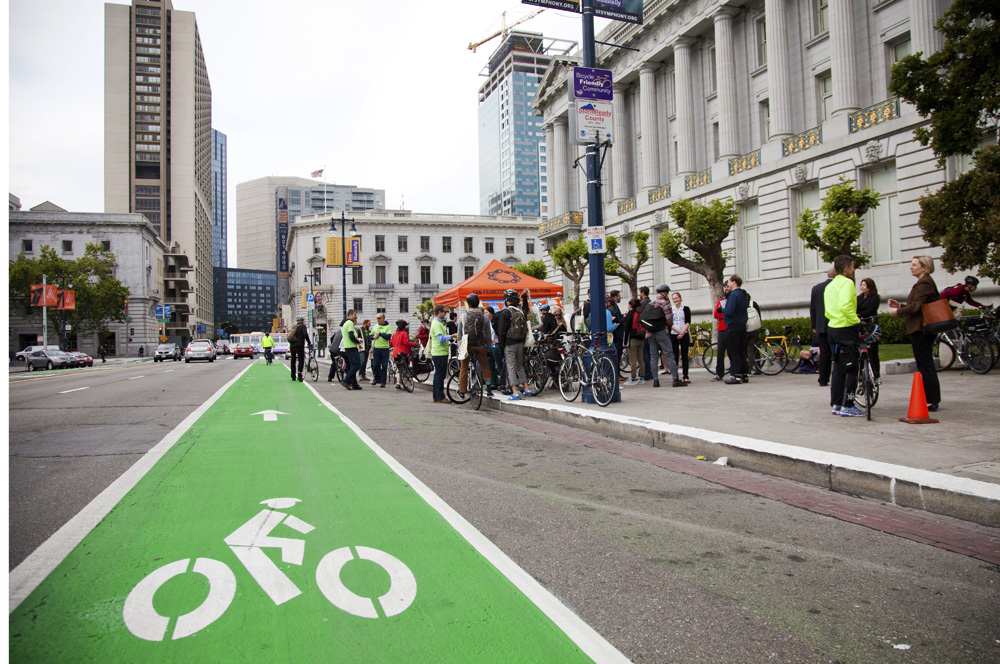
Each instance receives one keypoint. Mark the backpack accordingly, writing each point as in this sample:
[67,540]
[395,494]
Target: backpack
[638,331]
[293,334]
[753,318]
[518,325]
[475,329]
[653,319]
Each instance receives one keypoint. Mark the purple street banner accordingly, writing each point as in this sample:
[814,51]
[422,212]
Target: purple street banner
[617,10]
[590,83]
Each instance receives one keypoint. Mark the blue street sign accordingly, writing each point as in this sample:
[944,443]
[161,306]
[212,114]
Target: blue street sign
[590,83]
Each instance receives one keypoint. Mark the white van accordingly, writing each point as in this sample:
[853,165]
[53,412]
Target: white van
[22,356]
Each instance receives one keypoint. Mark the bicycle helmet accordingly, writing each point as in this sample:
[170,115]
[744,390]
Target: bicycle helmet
[510,295]
[300,319]
[544,307]
[971,281]
[401,324]
[663,288]
[472,300]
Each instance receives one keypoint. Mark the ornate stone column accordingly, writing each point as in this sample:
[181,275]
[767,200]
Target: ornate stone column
[650,133]
[685,105]
[843,62]
[778,77]
[725,74]
[550,171]
[558,169]
[620,150]
[924,37]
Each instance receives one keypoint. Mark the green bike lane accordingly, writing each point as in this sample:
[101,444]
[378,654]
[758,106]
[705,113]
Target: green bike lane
[269,528]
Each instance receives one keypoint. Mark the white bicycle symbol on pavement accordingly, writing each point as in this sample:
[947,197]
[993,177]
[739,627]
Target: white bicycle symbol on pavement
[248,542]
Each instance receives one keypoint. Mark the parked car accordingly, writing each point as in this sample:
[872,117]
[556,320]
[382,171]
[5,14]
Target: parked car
[281,348]
[82,359]
[222,347]
[243,350]
[167,351]
[200,349]
[22,355]
[50,359]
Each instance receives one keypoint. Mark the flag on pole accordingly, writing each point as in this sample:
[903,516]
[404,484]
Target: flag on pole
[317,174]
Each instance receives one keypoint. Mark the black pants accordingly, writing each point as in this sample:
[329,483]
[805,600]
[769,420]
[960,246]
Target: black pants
[845,379]
[298,352]
[923,354]
[825,358]
[681,348]
[333,365]
[720,354]
[736,343]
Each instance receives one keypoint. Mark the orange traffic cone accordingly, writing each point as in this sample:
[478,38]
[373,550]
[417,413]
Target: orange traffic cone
[918,413]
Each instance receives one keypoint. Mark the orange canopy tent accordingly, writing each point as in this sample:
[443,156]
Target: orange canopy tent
[490,283]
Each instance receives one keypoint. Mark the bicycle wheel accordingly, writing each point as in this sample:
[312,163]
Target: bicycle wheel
[390,372]
[451,390]
[603,380]
[866,391]
[980,353]
[697,355]
[313,368]
[944,353]
[454,366]
[537,373]
[771,359]
[406,378]
[569,378]
[624,366]
[423,370]
[476,388]
[709,357]
[794,357]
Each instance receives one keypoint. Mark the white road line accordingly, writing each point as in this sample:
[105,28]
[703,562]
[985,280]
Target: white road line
[25,577]
[134,377]
[76,390]
[168,371]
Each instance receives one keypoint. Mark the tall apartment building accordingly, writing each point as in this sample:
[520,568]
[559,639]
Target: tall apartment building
[512,151]
[220,199]
[768,104]
[158,145]
[266,206]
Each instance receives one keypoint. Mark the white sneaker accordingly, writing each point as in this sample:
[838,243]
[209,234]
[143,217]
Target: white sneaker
[640,381]
[631,381]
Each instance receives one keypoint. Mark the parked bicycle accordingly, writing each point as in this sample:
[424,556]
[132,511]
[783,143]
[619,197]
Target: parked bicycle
[601,377]
[969,345]
[769,358]
[790,345]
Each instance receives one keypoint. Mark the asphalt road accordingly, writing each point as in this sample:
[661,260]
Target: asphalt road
[667,566]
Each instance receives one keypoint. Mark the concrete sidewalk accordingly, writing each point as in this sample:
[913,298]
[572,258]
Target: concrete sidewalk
[781,425]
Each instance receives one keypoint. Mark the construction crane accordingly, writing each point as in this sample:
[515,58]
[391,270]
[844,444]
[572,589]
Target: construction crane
[504,29]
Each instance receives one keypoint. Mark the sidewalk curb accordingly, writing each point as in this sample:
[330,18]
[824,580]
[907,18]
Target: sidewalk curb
[929,491]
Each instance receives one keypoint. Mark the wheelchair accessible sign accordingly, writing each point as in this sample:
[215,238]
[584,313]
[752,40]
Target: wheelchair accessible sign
[595,238]
[299,546]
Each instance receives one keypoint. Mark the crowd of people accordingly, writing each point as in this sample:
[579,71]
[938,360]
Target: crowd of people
[654,333]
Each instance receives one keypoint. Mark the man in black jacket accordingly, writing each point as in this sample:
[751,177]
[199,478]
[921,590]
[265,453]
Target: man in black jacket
[614,298]
[817,316]
[297,347]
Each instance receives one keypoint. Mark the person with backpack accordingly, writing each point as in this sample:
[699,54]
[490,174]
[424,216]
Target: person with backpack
[512,330]
[960,294]
[298,337]
[636,339]
[657,319]
[720,354]
[476,326]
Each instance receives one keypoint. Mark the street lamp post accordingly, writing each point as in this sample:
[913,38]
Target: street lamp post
[343,250]
[311,278]
[64,284]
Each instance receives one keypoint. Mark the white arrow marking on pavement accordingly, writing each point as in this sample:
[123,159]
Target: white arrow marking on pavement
[76,390]
[270,415]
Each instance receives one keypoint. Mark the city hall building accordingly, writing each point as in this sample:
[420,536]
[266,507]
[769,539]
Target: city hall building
[767,103]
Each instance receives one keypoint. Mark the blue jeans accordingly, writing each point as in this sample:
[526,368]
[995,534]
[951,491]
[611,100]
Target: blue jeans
[353,362]
[440,370]
[380,360]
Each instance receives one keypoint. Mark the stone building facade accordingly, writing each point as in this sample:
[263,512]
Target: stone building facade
[139,254]
[768,103]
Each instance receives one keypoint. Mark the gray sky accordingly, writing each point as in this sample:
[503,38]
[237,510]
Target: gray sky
[383,93]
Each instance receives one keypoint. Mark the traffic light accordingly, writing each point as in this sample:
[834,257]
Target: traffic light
[161,330]
[130,339]
[131,330]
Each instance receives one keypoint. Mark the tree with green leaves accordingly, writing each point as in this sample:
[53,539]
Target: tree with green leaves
[533,268]
[425,309]
[701,228]
[628,273]
[572,258]
[100,297]
[958,88]
[844,208]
